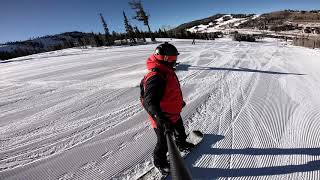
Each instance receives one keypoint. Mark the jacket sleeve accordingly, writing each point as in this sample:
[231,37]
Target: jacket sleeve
[153,93]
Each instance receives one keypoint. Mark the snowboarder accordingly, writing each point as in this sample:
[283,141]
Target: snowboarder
[161,97]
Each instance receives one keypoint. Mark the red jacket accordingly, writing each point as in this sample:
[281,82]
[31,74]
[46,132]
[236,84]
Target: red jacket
[171,100]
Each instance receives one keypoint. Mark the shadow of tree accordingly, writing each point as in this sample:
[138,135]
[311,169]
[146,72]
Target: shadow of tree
[205,148]
[187,67]
[45,57]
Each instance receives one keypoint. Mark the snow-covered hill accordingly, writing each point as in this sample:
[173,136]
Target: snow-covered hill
[222,23]
[288,23]
[44,44]
[75,113]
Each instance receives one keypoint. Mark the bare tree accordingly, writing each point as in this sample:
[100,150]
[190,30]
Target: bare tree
[141,15]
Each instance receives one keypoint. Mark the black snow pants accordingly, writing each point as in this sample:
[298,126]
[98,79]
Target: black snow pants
[161,149]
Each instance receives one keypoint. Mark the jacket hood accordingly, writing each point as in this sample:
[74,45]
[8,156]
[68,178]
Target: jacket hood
[152,62]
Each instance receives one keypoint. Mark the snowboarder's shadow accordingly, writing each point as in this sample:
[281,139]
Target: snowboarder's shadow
[206,149]
[187,67]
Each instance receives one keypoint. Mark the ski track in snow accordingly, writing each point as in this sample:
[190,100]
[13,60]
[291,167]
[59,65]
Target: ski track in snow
[75,113]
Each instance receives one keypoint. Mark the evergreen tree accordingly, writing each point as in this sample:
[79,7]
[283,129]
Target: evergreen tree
[92,40]
[139,34]
[98,39]
[106,31]
[159,33]
[115,35]
[85,41]
[129,29]
[141,15]
[162,33]
[165,33]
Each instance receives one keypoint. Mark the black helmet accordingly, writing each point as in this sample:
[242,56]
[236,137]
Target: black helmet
[166,52]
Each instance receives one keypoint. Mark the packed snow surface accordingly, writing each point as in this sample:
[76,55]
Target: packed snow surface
[75,113]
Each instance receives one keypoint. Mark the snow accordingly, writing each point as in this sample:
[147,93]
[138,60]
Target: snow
[220,24]
[231,21]
[232,25]
[75,113]
[256,16]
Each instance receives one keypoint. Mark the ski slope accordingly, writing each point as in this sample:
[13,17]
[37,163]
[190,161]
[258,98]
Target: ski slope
[221,24]
[75,113]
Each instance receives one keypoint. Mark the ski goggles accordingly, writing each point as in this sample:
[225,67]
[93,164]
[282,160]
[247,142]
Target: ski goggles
[166,58]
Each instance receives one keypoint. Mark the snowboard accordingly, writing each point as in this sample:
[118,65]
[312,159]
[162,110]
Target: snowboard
[194,137]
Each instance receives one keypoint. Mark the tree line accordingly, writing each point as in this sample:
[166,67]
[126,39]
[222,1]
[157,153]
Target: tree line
[132,36]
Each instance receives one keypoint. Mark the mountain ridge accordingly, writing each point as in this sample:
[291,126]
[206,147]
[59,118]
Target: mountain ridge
[275,21]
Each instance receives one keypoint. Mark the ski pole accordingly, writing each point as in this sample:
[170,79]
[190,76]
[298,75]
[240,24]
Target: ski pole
[179,170]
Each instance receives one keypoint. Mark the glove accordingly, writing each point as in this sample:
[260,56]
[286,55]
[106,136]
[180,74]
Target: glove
[163,122]
[159,120]
[167,127]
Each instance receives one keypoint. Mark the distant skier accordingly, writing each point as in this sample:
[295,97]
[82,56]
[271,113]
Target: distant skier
[161,96]
[194,36]
[193,41]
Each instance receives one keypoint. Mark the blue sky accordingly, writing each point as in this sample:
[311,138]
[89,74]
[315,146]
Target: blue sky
[24,19]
